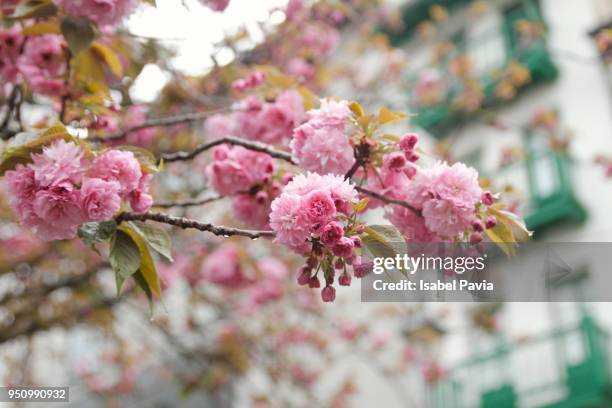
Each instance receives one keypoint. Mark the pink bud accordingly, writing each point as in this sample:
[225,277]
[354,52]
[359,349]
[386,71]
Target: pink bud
[410,172]
[396,160]
[339,264]
[328,294]
[344,279]
[287,177]
[487,198]
[240,85]
[413,156]
[360,229]
[343,248]
[356,241]
[261,197]
[475,238]
[477,225]
[314,282]
[303,276]
[491,221]
[409,141]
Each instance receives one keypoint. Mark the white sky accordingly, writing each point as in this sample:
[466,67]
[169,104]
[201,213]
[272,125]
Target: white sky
[194,29]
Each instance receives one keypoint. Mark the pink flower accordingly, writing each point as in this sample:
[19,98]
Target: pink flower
[322,150]
[218,5]
[294,9]
[288,220]
[319,209]
[218,126]
[306,204]
[11,41]
[59,163]
[410,225]
[137,115]
[140,199]
[58,214]
[223,268]
[321,39]
[271,122]
[251,211]
[237,169]
[120,166]
[331,233]
[100,199]
[344,247]
[321,145]
[43,63]
[101,12]
[299,67]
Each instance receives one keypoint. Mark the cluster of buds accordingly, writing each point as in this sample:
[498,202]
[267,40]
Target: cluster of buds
[483,221]
[336,250]
[252,81]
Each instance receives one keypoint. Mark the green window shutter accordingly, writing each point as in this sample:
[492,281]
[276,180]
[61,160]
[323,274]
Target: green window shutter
[550,185]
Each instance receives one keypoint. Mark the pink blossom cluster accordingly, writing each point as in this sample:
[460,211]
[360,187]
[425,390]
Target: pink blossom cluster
[310,216]
[61,189]
[398,168]
[319,39]
[245,175]
[321,144]
[252,81]
[135,115]
[447,198]
[101,12]
[11,42]
[43,64]
[270,122]
[235,169]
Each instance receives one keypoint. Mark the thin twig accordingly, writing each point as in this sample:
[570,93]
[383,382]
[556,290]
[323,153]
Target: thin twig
[255,146]
[187,223]
[388,200]
[188,203]
[162,122]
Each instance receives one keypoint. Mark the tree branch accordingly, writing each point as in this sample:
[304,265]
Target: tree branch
[388,200]
[247,144]
[188,203]
[186,223]
[162,122]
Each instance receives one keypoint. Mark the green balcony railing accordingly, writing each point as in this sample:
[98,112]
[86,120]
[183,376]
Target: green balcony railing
[566,368]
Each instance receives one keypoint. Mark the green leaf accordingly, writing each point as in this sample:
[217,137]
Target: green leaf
[143,284]
[22,146]
[94,232]
[147,266]
[156,237]
[380,240]
[147,160]
[78,33]
[124,257]
[356,109]
[34,9]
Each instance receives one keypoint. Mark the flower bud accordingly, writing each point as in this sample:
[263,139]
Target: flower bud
[344,279]
[491,221]
[314,282]
[475,238]
[487,198]
[328,294]
[409,141]
[303,276]
[343,248]
[477,225]
[356,241]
